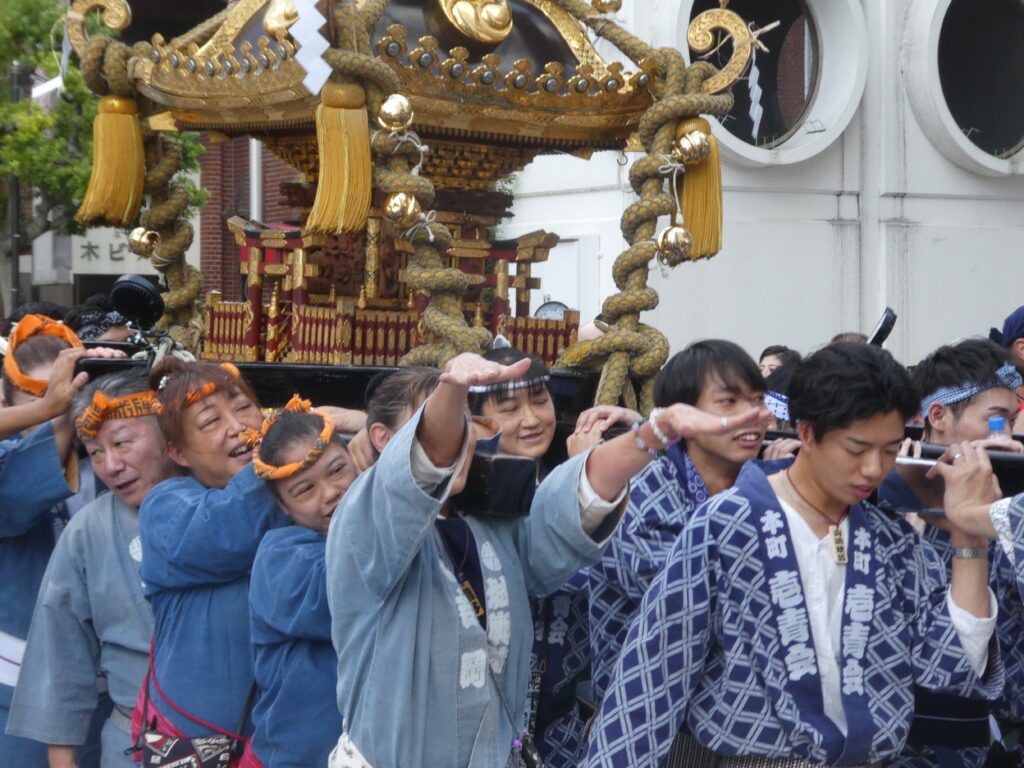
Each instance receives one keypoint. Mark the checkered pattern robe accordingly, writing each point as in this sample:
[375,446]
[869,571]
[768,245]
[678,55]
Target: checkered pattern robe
[706,650]
[661,499]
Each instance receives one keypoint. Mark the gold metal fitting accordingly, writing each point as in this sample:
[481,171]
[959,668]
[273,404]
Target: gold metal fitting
[395,113]
[674,244]
[693,147]
[143,242]
[402,210]
[607,6]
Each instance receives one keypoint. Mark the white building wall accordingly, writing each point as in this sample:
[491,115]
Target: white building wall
[881,217]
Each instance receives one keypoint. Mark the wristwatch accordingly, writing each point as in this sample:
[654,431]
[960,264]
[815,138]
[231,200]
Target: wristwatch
[970,553]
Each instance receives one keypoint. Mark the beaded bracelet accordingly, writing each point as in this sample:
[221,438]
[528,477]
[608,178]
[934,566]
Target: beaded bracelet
[641,443]
[665,440]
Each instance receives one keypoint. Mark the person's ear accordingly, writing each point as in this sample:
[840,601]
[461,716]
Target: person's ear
[175,454]
[805,431]
[379,436]
[939,417]
[1018,350]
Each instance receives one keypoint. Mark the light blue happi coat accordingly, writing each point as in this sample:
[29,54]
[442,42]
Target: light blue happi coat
[721,643]
[198,546]
[90,619]
[416,671]
[296,723]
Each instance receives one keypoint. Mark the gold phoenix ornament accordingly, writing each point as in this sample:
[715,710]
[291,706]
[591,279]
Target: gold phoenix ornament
[483,21]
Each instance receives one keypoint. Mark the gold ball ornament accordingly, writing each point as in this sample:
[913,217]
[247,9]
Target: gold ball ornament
[693,147]
[674,244]
[143,242]
[402,210]
[395,113]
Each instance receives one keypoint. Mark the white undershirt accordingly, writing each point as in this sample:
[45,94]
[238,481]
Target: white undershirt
[823,582]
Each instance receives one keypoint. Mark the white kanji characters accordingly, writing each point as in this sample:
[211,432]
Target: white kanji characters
[561,605]
[794,626]
[862,539]
[860,602]
[786,589]
[800,661]
[862,561]
[489,558]
[855,639]
[466,613]
[771,522]
[853,678]
[473,669]
[497,593]
[556,632]
[499,628]
[776,546]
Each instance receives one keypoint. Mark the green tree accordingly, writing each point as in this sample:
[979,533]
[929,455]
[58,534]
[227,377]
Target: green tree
[50,151]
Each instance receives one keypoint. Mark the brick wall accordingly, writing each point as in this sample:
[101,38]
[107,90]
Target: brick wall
[275,208]
[225,174]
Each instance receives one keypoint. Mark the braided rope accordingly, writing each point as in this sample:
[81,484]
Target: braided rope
[105,70]
[354,60]
[631,348]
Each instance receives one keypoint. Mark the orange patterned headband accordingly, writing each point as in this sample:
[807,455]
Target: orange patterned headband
[27,327]
[206,389]
[104,409]
[269,471]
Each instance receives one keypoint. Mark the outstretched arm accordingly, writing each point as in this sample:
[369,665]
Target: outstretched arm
[611,464]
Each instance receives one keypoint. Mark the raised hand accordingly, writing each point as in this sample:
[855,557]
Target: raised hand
[468,369]
[683,421]
[601,417]
[971,487]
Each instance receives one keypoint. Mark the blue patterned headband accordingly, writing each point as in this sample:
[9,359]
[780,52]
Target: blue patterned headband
[1007,376]
[778,404]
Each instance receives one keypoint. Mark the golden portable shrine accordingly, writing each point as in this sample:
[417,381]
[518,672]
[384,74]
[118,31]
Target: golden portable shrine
[404,117]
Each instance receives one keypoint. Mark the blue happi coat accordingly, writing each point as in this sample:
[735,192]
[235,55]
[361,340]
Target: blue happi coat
[559,662]
[721,643]
[933,711]
[661,499]
[1008,584]
[295,720]
[198,546]
[90,619]
[417,673]
[32,484]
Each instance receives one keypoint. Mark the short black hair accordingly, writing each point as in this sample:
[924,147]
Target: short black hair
[289,428]
[683,376]
[786,355]
[778,380]
[847,382]
[972,361]
[509,356]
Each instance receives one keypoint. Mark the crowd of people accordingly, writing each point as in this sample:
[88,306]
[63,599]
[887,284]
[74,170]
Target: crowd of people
[421,583]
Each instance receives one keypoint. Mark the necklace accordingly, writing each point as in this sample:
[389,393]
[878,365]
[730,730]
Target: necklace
[834,531]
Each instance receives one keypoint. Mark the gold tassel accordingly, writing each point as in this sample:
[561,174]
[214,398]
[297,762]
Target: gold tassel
[700,198]
[343,190]
[118,165]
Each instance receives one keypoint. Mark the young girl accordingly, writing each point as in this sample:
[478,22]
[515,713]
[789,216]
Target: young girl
[199,535]
[307,469]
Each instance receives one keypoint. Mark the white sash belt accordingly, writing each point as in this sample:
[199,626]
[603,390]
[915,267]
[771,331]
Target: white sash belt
[12,649]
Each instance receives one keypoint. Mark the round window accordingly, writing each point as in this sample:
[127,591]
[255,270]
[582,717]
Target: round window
[964,64]
[801,94]
[770,103]
[981,69]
